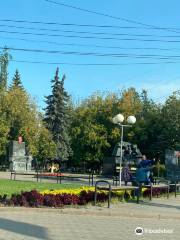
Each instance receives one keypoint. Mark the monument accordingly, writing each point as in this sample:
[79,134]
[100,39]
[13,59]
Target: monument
[172,163]
[18,158]
[130,155]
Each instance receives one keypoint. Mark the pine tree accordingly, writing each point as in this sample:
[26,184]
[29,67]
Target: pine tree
[16,82]
[4,61]
[57,117]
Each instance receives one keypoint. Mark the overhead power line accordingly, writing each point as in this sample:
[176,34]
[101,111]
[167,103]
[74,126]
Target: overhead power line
[90,32]
[93,64]
[107,15]
[90,37]
[96,54]
[86,25]
[90,45]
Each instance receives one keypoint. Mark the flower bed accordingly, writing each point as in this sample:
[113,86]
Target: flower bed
[59,198]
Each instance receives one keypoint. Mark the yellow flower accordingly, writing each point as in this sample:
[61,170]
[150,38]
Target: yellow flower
[75,191]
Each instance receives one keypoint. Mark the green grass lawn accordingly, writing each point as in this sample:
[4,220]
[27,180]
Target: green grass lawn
[10,186]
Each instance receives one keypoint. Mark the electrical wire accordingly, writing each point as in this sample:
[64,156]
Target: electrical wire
[107,15]
[90,37]
[96,54]
[86,25]
[93,64]
[90,45]
[93,33]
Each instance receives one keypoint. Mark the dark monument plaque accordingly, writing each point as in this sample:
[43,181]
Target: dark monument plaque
[18,159]
[130,155]
[172,162]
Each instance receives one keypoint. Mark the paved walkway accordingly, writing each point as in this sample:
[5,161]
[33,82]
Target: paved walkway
[94,223]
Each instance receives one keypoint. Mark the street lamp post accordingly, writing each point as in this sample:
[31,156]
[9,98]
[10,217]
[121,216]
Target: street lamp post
[118,119]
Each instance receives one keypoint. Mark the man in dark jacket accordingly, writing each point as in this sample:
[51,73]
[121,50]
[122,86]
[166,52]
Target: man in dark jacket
[143,172]
[142,175]
[145,166]
[145,162]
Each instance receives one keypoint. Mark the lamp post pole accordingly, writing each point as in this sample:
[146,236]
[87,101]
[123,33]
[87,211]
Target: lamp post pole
[118,119]
[121,152]
[121,155]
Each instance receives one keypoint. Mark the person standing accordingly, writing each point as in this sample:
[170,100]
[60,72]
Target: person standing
[126,174]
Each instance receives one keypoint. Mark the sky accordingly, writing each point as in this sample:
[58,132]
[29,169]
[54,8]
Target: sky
[122,53]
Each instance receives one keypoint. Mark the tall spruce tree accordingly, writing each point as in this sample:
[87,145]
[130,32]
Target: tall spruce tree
[4,61]
[16,82]
[57,117]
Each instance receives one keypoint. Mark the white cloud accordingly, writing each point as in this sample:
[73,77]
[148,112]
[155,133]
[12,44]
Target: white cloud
[157,88]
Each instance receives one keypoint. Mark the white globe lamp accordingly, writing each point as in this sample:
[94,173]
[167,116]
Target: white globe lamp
[131,119]
[119,118]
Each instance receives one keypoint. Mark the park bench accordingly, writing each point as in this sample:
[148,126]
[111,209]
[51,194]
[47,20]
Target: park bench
[158,186]
[14,174]
[50,175]
[175,184]
[115,180]
[109,188]
[138,189]
[89,177]
[61,176]
[58,176]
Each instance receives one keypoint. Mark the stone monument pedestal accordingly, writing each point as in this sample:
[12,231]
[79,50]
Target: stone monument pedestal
[18,159]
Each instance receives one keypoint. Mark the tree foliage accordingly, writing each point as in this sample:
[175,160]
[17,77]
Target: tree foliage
[94,136]
[93,133]
[4,61]
[57,117]
[19,116]
[85,129]
[16,82]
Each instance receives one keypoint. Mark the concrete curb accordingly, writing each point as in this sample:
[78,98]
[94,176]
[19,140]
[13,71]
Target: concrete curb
[101,212]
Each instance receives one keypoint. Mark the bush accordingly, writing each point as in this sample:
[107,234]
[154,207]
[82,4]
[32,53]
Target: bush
[36,199]
[159,170]
[88,196]
[51,200]
[27,199]
[59,198]
[155,192]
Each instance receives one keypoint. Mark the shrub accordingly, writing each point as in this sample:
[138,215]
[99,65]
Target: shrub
[27,199]
[159,170]
[59,198]
[155,192]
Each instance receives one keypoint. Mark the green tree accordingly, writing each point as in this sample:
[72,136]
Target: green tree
[147,130]
[170,120]
[4,131]
[92,131]
[26,121]
[94,136]
[46,147]
[57,117]
[16,82]
[4,61]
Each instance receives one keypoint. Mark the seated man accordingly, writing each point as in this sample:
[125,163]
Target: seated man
[142,175]
[147,166]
